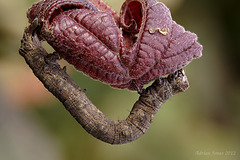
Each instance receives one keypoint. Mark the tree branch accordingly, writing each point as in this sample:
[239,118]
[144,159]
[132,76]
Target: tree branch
[58,82]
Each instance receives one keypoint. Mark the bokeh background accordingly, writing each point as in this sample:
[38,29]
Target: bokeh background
[203,123]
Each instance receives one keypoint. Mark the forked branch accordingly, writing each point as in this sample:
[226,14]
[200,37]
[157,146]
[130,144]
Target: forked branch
[58,82]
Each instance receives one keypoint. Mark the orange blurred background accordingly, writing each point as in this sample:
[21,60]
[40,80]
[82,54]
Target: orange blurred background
[203,123]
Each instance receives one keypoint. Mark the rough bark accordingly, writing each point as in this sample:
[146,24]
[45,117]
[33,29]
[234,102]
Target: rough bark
[58,82]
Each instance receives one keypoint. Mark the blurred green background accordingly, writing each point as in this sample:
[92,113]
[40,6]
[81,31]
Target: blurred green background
[203,123]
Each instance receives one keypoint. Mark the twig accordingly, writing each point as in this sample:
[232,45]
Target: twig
[58,82]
